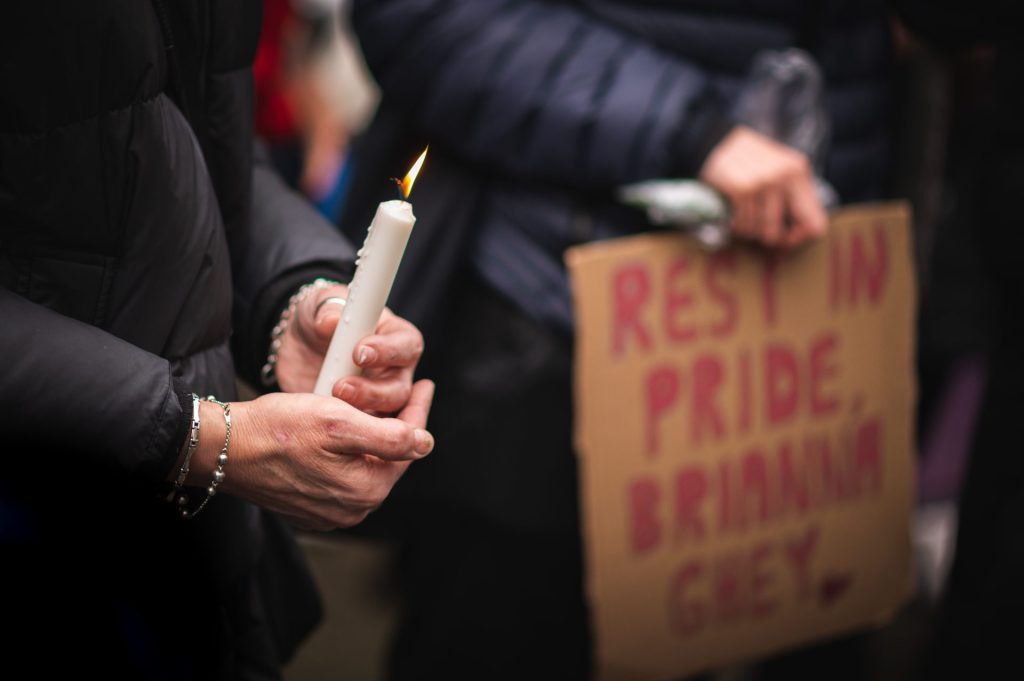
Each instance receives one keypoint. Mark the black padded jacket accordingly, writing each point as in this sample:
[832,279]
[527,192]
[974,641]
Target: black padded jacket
[145,250]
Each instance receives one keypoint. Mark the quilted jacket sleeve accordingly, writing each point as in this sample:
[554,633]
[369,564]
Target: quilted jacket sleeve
[286,244]
[541,90]
[69,385]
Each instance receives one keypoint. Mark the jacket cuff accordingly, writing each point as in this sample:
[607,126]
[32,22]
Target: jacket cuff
[703,127]
[181,430]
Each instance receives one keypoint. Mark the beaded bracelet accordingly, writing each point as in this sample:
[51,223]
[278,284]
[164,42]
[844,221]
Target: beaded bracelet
[267,375]
[222,459]
[193,442]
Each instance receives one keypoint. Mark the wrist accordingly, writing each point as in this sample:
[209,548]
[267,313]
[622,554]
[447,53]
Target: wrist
[188,508]
[268,374]
[195,460]
[251,445]
[706,125]
[211,439]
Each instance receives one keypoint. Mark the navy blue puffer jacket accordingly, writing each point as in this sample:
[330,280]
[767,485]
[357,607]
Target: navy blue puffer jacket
[537,109]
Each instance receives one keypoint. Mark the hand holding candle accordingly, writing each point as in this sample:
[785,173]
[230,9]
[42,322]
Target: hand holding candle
[376,266]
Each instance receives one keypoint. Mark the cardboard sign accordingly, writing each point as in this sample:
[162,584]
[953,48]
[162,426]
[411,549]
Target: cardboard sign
[744,430]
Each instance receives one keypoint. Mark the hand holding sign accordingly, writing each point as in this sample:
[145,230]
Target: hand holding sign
[769,186]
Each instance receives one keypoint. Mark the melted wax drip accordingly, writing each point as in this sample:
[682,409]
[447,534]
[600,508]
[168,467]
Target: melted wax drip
[361,255]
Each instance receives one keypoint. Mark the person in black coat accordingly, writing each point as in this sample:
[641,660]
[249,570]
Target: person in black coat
[536,112]
[977,630]
[146,254]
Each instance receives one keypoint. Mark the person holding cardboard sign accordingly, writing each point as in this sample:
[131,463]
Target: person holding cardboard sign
[537,112]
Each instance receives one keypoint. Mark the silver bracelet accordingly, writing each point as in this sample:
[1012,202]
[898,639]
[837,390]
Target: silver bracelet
[193,441]
[268,375]
[222,460]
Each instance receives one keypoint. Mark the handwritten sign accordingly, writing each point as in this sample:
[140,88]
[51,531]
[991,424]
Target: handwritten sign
[745,440]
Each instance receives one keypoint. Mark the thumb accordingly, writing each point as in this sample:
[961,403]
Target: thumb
[327,313]
[326,322]
[417,408]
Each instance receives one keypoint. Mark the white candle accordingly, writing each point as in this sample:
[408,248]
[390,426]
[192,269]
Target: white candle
[376,266]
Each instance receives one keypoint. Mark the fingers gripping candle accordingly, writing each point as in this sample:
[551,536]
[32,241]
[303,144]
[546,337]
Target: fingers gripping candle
[376,266]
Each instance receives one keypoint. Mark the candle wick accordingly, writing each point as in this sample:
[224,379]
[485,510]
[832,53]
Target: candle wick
[401,192]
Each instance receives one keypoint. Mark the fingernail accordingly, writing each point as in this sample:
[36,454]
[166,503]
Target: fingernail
[348,391]
[366,356]
[424,442]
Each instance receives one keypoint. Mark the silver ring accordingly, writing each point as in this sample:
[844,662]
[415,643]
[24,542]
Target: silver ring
[330,299]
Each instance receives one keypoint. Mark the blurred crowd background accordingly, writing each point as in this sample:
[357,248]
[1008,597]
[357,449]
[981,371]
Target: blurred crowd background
[950,108]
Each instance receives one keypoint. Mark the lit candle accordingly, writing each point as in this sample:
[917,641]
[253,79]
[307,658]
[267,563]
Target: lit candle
[376,266]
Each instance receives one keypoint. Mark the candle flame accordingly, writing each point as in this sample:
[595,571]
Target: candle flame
[413,172]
